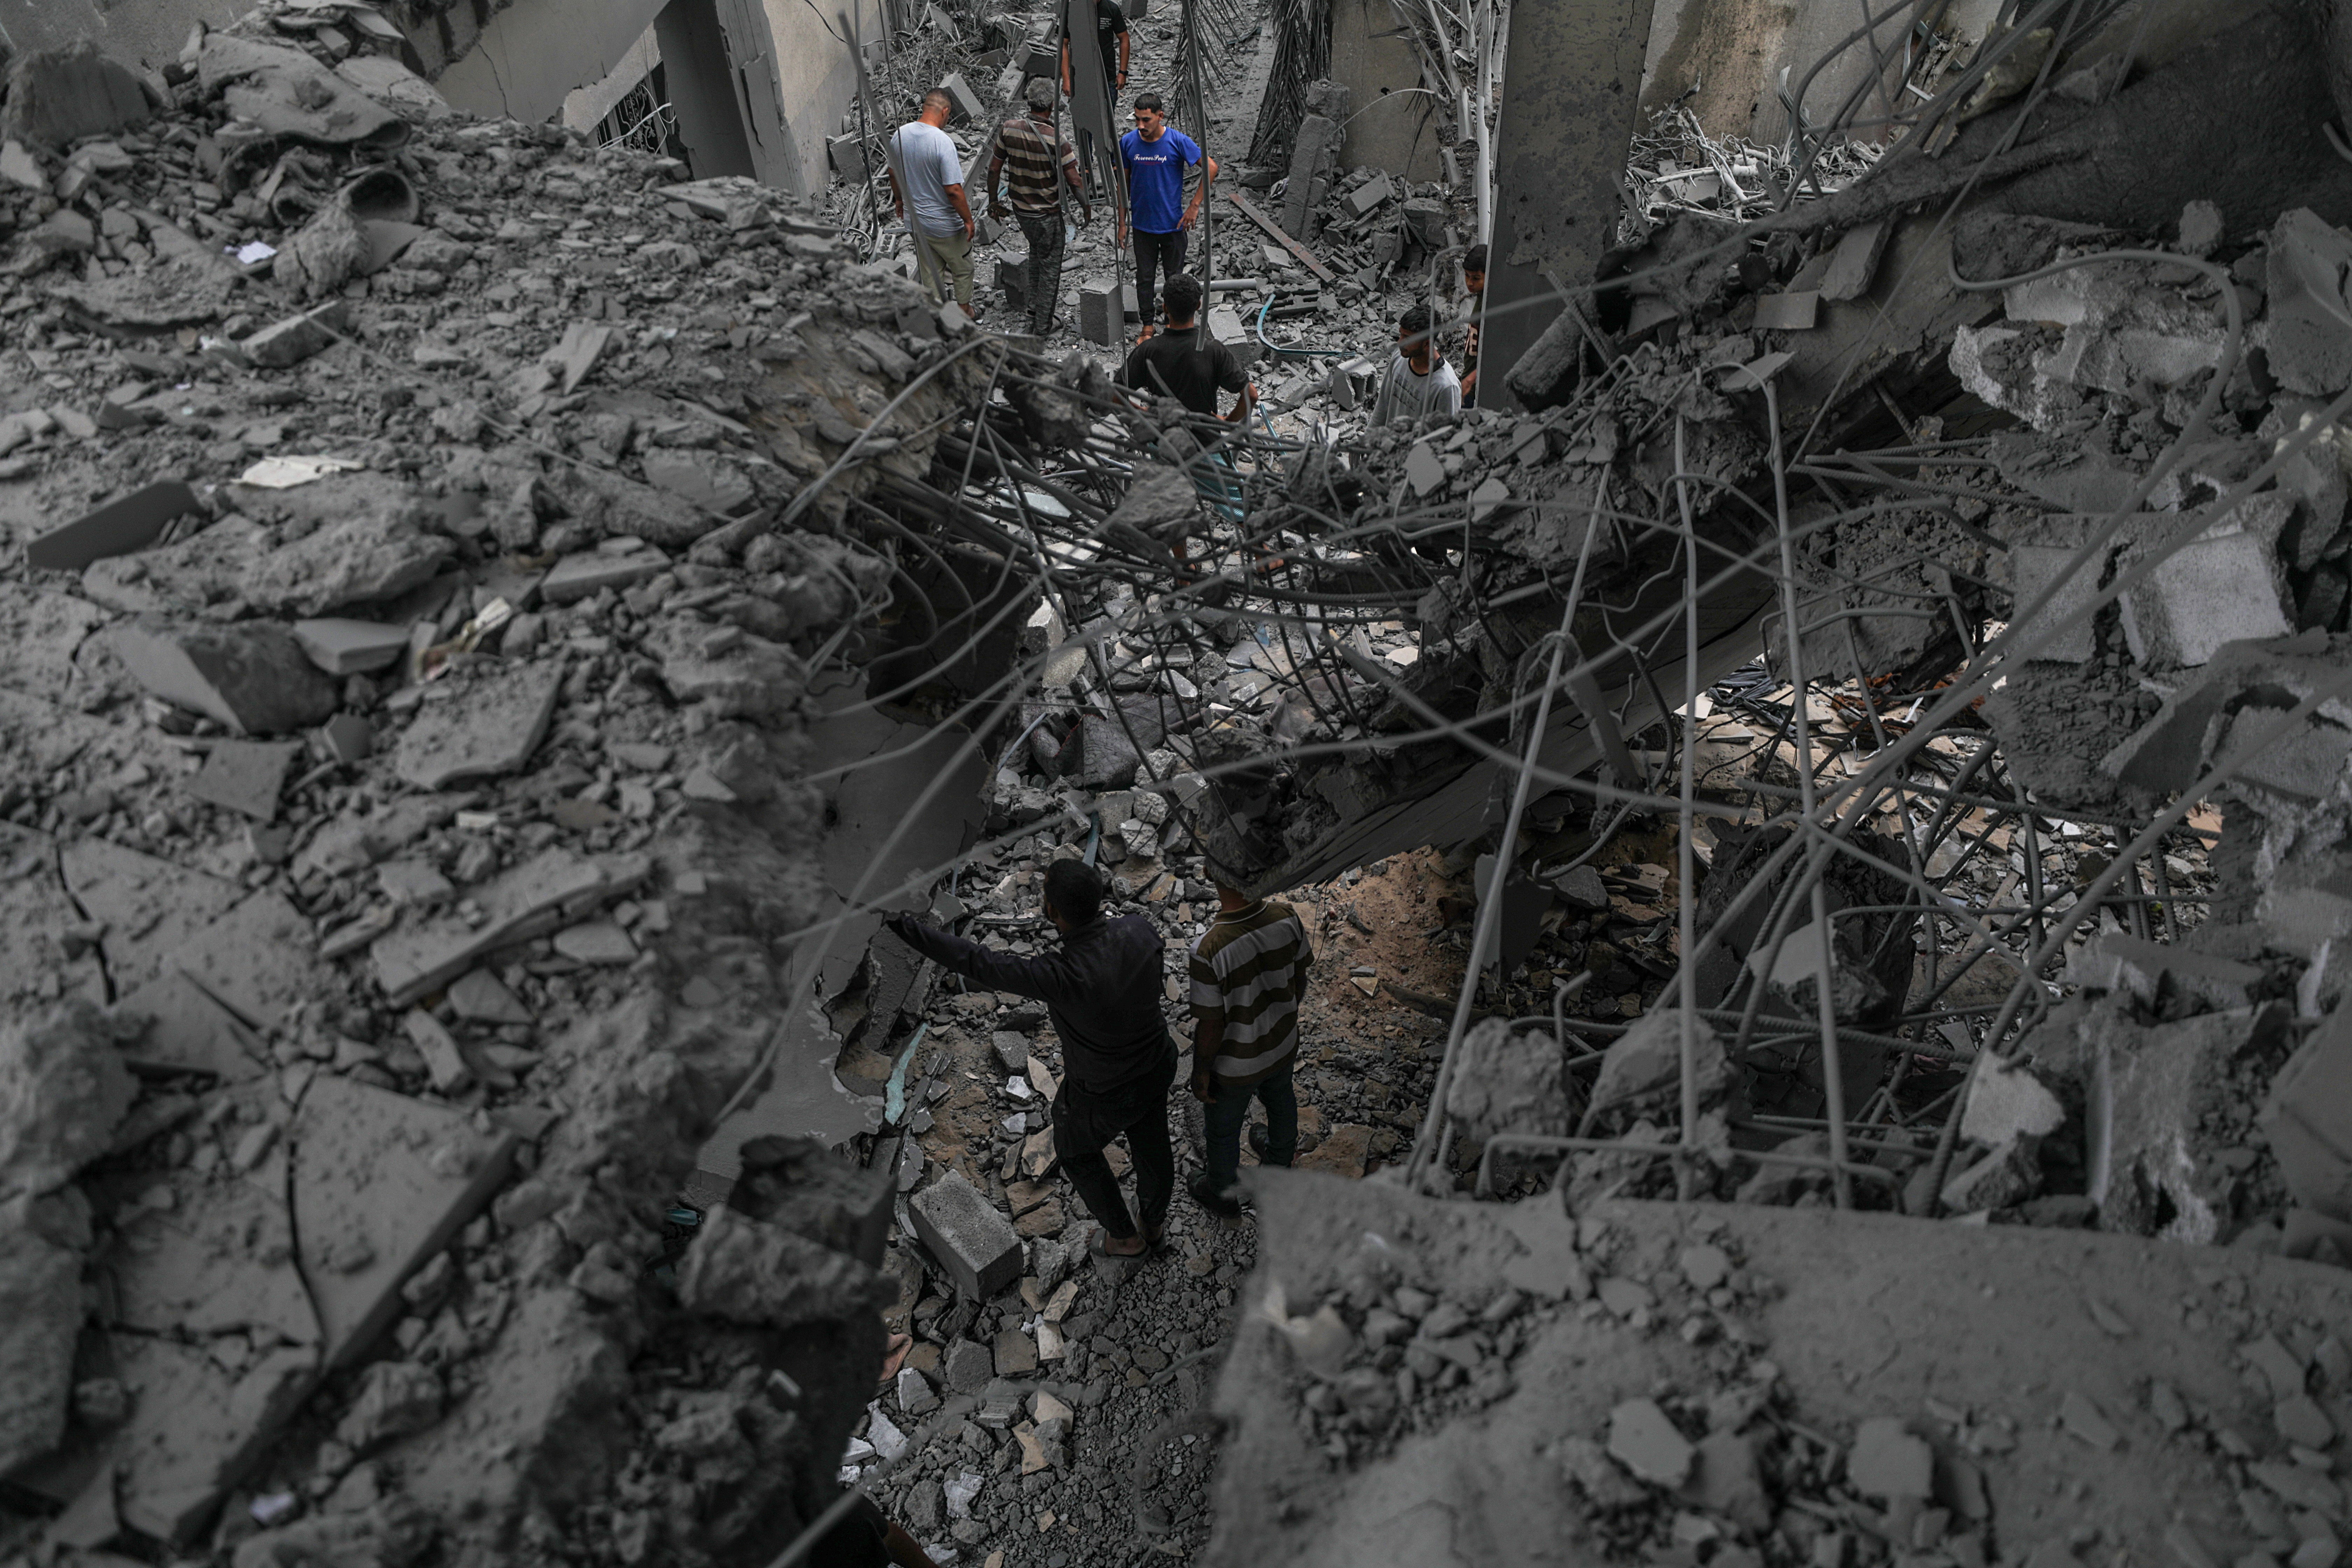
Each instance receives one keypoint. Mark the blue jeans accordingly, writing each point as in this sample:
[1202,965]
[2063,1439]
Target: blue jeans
[1227,1112]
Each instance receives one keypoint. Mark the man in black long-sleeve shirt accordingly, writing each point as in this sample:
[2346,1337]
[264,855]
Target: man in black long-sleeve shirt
[1103,990]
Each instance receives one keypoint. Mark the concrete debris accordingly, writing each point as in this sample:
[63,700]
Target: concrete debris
[63,1089]
[251,677]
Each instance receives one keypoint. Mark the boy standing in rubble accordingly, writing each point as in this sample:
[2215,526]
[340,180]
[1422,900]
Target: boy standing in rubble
[1249,976]
[1102,990]
[1419,385]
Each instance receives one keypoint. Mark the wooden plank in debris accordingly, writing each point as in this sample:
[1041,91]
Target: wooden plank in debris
[1249,211]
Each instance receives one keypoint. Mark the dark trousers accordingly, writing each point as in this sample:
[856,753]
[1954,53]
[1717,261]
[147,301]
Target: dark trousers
[1085,1122]
[1045,234]
[1152,253]
[1226,1114]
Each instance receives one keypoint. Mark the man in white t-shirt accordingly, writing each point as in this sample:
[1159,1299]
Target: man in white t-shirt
[934,185]
[1419,383]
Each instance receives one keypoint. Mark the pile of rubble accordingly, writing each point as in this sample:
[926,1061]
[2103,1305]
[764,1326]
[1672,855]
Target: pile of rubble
[414,630]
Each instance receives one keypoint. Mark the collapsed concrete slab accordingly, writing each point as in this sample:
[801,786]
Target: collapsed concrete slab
[251,676]
[538,896]
[379,1182]
[480,723]
[152,908]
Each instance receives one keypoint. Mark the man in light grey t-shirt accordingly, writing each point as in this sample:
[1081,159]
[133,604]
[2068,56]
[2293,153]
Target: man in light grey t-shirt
[934,185]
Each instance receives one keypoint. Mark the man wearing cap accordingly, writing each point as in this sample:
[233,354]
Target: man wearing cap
[1025,150]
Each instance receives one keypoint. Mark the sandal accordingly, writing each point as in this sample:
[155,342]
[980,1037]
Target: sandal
[894,1356]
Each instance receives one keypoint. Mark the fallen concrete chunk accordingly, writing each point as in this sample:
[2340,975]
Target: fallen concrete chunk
[1100,319]
[1508,1081]
[396,1399]
[582,345]
[1887,1461]
[350,647]
[1645,1062]
[58,95]
[1854,262]
[707,481]
[749,1272]
[540,896]
[484,727]
[2006,1101]
[246,775]
[445,1063]
[968,106]
[2310,347]
[2116,961]
[187,1031]
[151,907]
[596,942]
[967,1237]
[257,960]
[585,577]
[2147,1170]
[297,338]
[2064,624]
[63,1090]
[117,528]
[380,1184]
[2308,1120]
[2218,588]
[40,1317]
[479,995]
[1792,313]
[1642,1439]
[249,675]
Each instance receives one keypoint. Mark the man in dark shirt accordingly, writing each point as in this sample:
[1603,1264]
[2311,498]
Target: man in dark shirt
[1186,363]
[1110,33]
[1103,991]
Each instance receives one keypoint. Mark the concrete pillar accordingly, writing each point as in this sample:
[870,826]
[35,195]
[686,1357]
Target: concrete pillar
[695,70]
[1571,91]
[1391,127]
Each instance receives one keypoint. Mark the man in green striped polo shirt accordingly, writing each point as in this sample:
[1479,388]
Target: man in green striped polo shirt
[1249,976]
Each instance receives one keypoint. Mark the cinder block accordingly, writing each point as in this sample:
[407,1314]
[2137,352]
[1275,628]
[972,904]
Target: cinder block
[849,156]
[1012,282]
[967,102]
[1371,194]
[1128,310]
[970,1240]
[1100,319]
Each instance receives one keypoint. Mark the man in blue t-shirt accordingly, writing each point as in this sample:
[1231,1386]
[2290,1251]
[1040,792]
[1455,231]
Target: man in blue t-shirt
[1156,155]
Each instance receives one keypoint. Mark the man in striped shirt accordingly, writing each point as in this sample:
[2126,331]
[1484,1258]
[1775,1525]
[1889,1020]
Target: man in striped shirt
[1249,976]
[1026,150]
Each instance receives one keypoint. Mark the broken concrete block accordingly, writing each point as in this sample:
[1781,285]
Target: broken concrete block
[187,1031]
[846,153]
[547,893]
[1854,262]
[395,1399]
[2148,1167]
[21,169]
[297,338]
[1887,1461]
[1369,194]
[40,1318]
[380,1184]
[2065,624]
[596,942]
[968,106]
[749,1272]
[480,996]
[350,647]
[1100,319]
[151,907]
[1792,313]
[117,528]
[250,675]
[967,1237]
[1642,1439]
[2006,1101]
[488,726]
[2308,1120]
[1645,1062]
[56,97]
[573,358]
[63,1091]
[1508,1081]
[444,1062]
[2116,961]
[2310,347]
[585,577]
[707,480]
[2007,1175]
[2216,589]
[246,775]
